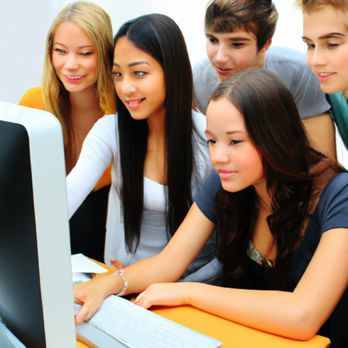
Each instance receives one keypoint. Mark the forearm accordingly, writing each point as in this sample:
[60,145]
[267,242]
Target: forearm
[155,269]
[276,312]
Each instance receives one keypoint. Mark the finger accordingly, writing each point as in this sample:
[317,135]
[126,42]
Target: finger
[116,263]
[142,301]
[81,315]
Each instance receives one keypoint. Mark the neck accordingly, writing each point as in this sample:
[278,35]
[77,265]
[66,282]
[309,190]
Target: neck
[156,124]
[85,108]
[263,195]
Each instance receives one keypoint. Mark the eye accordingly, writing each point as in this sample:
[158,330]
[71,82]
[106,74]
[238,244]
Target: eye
[211,141]
[116,74]
[212,39]
[235,142]
[59,50]
[86,53]
[139,73]
[309,45]
[237,45]
[332,45]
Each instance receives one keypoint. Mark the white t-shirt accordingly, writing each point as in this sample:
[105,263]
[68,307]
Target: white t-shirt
[100,148]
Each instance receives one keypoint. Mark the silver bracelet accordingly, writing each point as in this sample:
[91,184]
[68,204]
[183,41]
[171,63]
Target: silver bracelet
[125,283]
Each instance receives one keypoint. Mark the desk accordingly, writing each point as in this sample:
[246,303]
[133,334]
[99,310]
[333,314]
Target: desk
[230,333]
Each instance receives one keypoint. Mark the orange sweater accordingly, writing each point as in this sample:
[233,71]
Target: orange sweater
[33,99]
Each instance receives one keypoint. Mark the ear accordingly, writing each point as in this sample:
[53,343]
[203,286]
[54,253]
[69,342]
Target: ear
[266,46]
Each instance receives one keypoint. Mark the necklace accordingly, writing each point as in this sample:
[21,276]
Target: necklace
[255,256]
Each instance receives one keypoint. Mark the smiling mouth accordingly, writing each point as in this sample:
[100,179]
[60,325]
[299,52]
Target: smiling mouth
[134,102]
[324,74]
[222,70]
[74,77]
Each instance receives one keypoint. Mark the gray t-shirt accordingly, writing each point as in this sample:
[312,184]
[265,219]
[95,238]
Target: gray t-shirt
[295,74]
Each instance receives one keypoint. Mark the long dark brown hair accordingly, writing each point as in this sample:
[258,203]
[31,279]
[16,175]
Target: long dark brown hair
[160,37]
[274,125]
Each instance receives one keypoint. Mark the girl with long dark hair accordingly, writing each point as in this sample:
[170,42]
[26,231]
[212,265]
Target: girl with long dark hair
[155,142]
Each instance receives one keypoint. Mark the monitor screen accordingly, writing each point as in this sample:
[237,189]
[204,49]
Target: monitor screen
[36,299]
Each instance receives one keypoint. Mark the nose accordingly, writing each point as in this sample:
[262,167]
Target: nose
[220,56]
[71,62]
[316,57]
[126,86]
[218,154]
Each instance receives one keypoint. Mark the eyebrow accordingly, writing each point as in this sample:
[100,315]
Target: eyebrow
[85,46]
[238,38]
[326,36]
[228,132]
[133,64]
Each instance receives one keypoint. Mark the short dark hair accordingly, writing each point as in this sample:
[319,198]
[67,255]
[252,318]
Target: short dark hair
[256,16]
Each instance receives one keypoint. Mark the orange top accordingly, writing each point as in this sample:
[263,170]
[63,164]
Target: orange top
[33,99]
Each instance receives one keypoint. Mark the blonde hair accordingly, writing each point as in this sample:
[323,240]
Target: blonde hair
[309,5]
[97,25]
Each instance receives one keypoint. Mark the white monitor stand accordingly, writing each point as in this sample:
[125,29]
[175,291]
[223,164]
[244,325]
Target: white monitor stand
[36,299]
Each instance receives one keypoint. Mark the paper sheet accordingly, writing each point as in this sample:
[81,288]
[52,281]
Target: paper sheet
[82,264]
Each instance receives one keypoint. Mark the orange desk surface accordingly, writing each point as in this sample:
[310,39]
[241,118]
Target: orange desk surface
[229,333]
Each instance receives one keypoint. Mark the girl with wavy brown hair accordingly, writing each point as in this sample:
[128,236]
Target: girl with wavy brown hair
[281,211]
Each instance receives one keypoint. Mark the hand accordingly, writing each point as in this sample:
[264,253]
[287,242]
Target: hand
[91,295]
[165,294]
[117,264]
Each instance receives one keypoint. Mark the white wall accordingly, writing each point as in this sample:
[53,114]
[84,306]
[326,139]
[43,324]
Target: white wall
[24,25]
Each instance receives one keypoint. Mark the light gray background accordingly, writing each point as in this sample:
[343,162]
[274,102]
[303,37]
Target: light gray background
[24,25]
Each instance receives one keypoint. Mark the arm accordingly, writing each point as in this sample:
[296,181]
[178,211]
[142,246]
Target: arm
[321,131]
[95,156]
[297,314]
[167,266]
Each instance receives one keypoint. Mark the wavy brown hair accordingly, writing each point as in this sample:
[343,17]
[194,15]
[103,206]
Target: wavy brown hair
[291,167]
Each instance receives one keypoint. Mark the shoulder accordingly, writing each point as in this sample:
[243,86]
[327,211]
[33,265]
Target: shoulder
[104,130]
[107,123]
[205,198]
[205,83]
[286,65]
[298,77]
[337,186]
[202,68]
[199,122]
[33,99]
[332,208]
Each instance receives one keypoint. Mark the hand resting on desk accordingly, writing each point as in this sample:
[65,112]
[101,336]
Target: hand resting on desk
[165,294]
[92,294]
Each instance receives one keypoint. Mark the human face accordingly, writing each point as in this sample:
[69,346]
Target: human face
[74,58]
[232,152]
[231,53]
[325,31]
[139,81]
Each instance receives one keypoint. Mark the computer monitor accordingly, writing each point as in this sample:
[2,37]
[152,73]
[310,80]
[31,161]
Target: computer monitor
[36,298]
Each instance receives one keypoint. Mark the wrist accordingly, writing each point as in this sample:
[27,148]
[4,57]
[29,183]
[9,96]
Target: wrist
[125,283]
[113,284]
